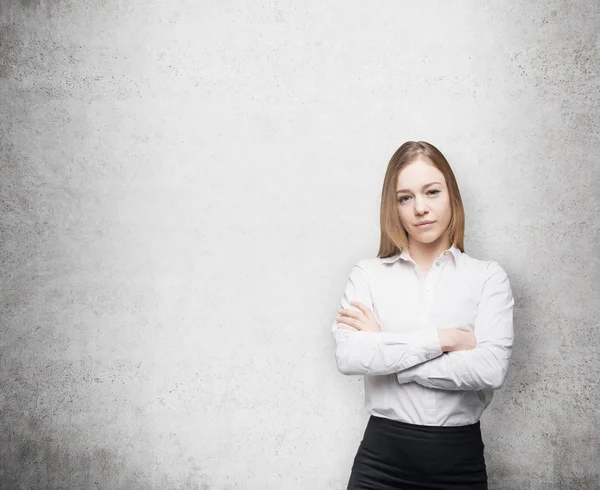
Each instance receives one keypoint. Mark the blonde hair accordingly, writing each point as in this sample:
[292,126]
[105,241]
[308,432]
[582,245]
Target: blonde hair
[394,238]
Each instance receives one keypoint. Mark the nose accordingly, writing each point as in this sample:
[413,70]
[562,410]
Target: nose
[420,206]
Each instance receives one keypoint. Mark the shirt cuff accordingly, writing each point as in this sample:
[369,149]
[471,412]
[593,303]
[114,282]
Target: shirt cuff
[432,343]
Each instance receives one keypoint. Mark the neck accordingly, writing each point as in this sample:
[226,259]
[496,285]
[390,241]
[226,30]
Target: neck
[424,253]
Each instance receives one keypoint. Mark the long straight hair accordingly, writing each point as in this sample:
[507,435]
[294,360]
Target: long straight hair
[394,237]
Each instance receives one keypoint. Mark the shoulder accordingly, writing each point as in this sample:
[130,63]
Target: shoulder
[485,275]
[490,268]
[365,268]
[370,264]
[488,276]
[485,267]
[493,275]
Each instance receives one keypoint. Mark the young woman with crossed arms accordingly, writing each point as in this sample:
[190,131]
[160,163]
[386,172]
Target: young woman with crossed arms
[431,330]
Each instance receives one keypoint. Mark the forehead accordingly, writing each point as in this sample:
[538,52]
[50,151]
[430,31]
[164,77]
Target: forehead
[418,173]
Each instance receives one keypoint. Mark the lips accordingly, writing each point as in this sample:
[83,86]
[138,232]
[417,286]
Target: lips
[425,223]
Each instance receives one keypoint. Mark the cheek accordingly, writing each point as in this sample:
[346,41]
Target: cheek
[445,203]
[441,208]
[403,215]
[402,211]
[446,212]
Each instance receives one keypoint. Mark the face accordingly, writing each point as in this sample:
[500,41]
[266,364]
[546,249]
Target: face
[418,201]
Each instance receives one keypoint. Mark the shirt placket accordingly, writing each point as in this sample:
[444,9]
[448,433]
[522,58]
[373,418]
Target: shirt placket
[426,297]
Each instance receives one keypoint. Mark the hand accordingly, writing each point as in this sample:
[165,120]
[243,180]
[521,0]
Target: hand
[358,320]
[453,339]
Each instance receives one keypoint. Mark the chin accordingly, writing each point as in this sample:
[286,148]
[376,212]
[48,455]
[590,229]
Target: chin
[426,239]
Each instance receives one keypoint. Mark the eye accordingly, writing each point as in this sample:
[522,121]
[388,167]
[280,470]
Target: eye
[432,191]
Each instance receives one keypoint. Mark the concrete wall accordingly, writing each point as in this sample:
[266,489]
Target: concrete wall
[185,185]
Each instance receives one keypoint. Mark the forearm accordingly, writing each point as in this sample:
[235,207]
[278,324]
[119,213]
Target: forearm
[484,367]
[380,353]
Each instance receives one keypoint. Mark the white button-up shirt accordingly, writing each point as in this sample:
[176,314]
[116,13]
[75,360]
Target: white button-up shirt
[407,376]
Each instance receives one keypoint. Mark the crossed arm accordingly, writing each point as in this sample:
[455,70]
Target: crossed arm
[417,356]
[378,353]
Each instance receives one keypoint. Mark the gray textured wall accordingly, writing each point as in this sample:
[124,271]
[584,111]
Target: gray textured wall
[185,185]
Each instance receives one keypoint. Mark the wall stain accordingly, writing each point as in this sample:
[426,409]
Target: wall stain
[31,460]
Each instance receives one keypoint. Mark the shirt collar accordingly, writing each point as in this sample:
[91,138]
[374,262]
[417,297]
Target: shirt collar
[453,251]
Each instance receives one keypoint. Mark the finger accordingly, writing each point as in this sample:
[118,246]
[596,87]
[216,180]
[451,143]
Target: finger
[363,308]
[346,327]
[348,321]
[350,313]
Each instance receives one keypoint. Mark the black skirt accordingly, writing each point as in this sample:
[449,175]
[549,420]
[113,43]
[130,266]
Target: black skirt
[395,455]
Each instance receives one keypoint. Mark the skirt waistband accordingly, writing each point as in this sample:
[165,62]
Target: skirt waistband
[429,429]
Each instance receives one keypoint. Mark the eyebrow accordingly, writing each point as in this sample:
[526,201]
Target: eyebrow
[426,185]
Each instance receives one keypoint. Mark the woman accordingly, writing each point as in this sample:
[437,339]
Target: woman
[431,330]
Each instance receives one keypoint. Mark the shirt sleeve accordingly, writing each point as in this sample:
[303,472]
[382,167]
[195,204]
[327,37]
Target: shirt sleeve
[378,353]
[485,366]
